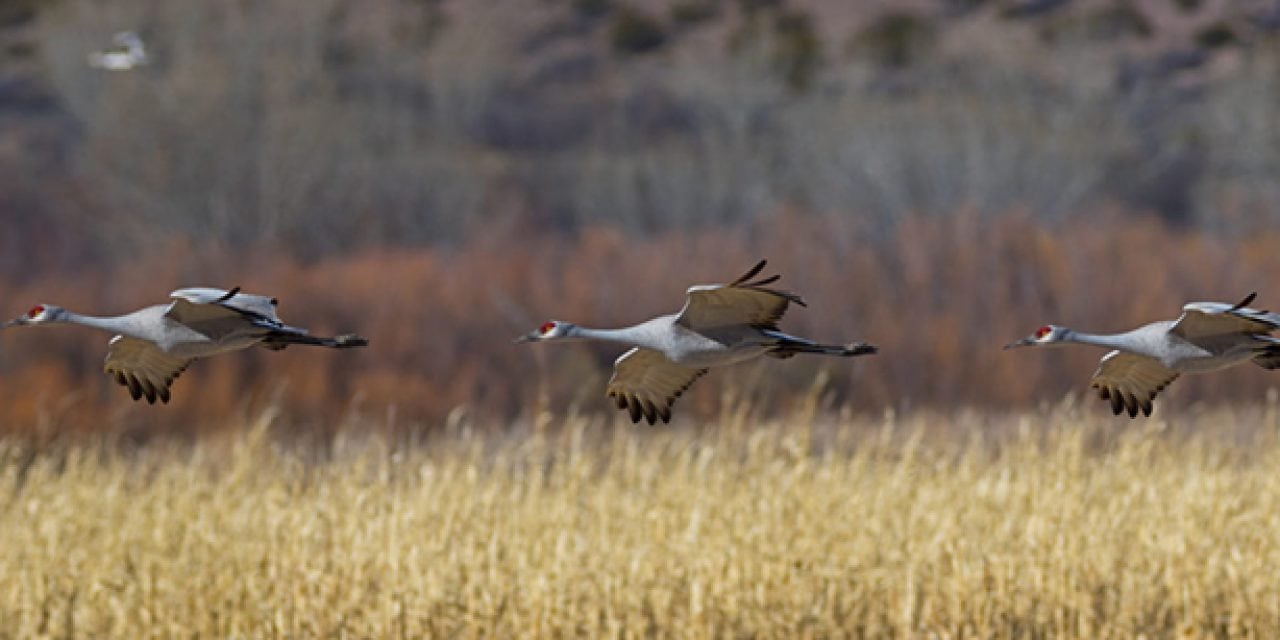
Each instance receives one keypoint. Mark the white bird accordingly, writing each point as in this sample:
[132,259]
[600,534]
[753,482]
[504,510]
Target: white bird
[127,54]
[1207,337]
[156,343]
[720,324]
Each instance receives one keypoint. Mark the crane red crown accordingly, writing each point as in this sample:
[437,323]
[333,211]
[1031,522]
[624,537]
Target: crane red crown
[546,326]
[35,311]
[1043,331]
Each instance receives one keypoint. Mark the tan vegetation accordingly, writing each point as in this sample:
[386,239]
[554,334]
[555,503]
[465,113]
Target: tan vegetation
[964,526]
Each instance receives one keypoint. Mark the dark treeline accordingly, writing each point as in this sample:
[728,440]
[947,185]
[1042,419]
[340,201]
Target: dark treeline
[319,126]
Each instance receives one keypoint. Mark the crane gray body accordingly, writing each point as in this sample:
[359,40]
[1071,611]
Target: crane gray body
[197,340]
[1175,352]
[709,347]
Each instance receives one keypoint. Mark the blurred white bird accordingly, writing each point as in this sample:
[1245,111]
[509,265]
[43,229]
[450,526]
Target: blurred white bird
[127,53]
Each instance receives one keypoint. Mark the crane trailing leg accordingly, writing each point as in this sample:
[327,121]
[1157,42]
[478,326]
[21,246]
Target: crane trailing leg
[278,340]
[789,345]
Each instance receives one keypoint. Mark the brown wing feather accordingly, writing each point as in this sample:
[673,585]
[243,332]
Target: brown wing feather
[742,301]
[1204,319]
[645,384]
[142,368]
[1131,382]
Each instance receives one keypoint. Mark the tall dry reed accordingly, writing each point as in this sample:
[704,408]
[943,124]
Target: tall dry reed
[1051,524]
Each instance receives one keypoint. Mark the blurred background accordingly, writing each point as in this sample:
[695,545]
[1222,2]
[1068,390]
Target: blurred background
[937,177]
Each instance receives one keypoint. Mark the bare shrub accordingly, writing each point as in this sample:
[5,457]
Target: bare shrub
[939,297]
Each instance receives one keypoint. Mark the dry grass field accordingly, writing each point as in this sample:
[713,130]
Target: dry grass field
[1060,523]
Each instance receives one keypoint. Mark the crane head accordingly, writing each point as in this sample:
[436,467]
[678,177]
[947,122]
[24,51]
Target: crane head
[550,330]
[38,314]
[1048,334]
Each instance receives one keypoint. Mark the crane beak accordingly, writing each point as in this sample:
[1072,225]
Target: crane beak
[528,337]
[16,322]
[1025,342]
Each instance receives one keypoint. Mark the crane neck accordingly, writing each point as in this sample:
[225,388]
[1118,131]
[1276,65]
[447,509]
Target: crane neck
[1119,341]
[630,336]
[117,324]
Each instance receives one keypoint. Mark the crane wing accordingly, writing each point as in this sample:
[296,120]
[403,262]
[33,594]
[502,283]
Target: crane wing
[1131,382]
[143,368]
[1201,319]
[208,300]
[741,302]
[646,383]
[221,314]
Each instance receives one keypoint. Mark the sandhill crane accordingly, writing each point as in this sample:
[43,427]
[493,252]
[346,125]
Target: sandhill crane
[1207,337]
[156,343]
[127,54]
[720,324]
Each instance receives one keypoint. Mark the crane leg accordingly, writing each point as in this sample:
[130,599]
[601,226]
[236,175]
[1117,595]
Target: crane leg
[280,340]
[788,348]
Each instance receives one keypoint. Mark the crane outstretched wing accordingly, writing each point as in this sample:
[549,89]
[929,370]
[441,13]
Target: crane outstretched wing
[221,314]
[646,384]
[143,368]
[1131,382]
[736,303]
[199,302]
[1200,319]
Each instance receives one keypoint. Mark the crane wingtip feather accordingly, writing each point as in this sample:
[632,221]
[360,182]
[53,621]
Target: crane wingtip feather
[1244,303]
[229,294]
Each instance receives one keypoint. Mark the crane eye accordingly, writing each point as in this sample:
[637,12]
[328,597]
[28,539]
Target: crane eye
[546,327]
[1043,331]
[35,311]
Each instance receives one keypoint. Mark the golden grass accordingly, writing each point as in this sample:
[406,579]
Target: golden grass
[1059,524]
